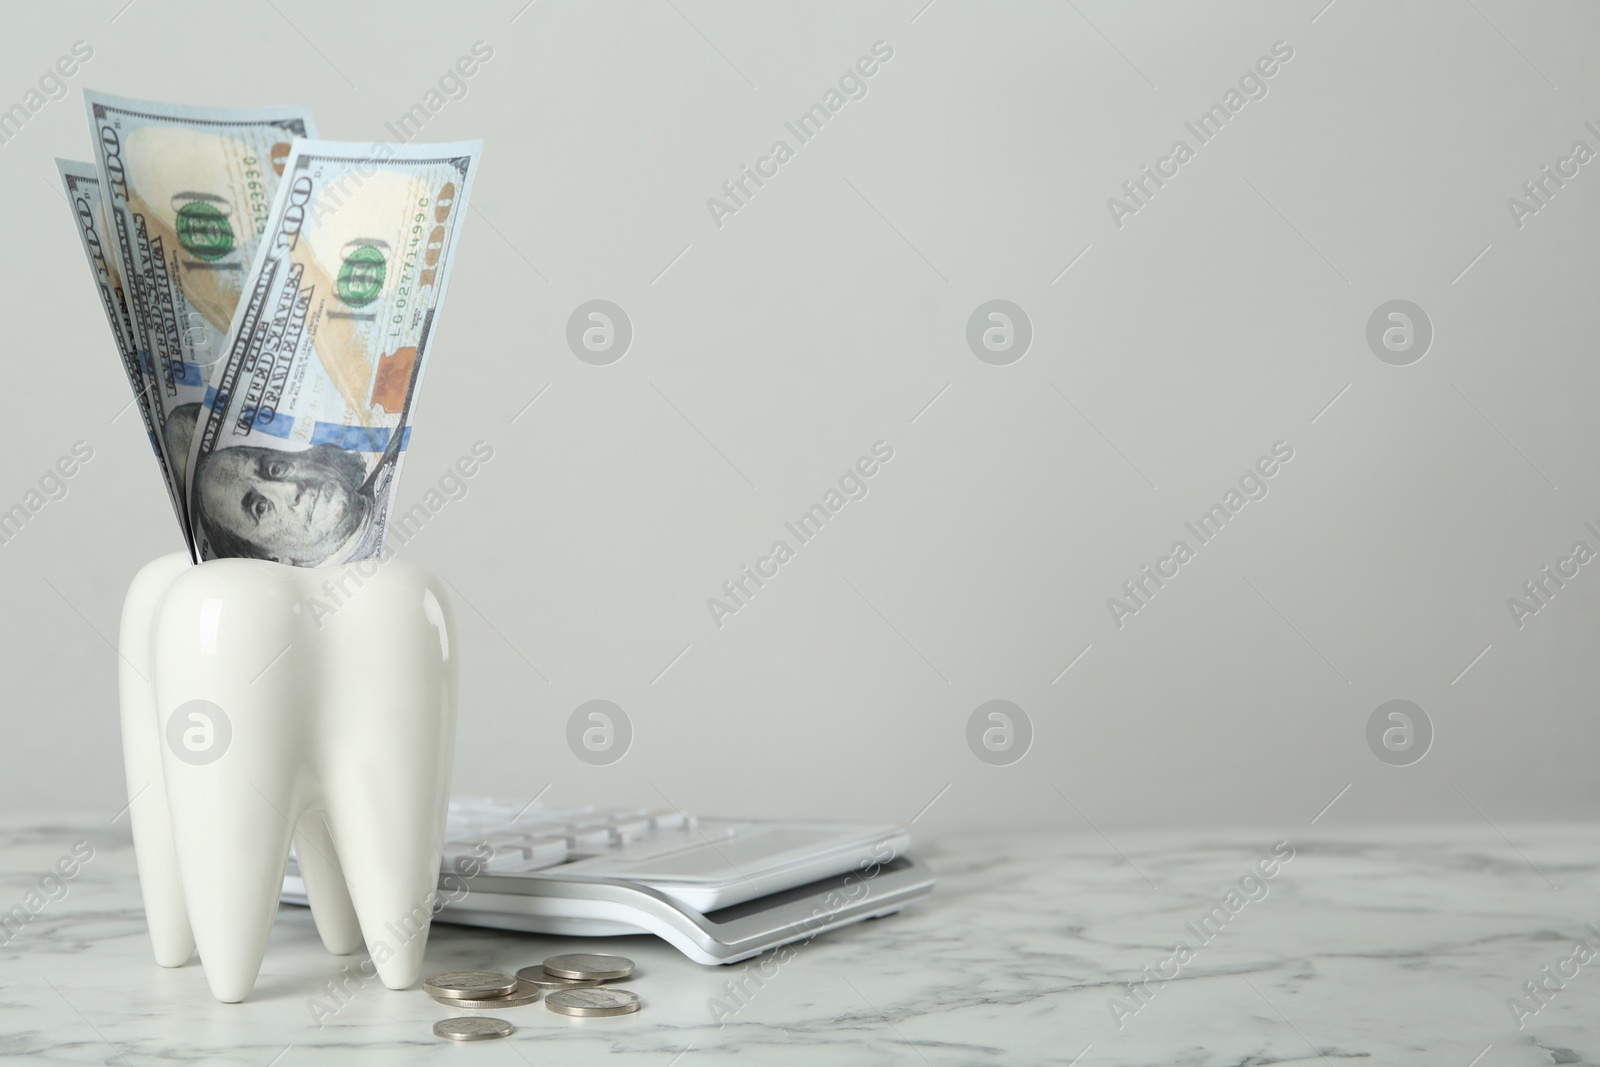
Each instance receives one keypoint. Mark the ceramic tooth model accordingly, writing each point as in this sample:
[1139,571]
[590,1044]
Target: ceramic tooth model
[264,704]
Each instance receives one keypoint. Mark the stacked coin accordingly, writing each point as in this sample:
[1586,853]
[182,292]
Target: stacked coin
[477,989]
[569,984]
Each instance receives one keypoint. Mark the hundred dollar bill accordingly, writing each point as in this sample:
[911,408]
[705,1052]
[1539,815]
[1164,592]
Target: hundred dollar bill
[297,459]
[187,190]
[88,212]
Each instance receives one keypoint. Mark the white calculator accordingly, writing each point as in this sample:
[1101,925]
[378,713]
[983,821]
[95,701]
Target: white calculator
[719,890]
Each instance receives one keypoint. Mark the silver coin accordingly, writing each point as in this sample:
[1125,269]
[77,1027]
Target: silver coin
[457,984]
[472,1028]
[525,993]
[599,966]
[592,1001]
[537,975]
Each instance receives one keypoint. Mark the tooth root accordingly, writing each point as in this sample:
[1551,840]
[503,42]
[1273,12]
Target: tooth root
[392,875]
[165,911]
[387,810]
[231,818]
[233,846]
[331,907]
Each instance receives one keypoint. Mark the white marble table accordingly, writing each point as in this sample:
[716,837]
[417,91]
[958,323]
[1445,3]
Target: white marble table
[1397,947]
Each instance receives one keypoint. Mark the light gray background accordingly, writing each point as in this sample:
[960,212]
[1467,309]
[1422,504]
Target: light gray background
[770,353]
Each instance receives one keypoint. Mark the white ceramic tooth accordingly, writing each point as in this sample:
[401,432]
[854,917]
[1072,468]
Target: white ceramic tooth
[159,880]
[336,689]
